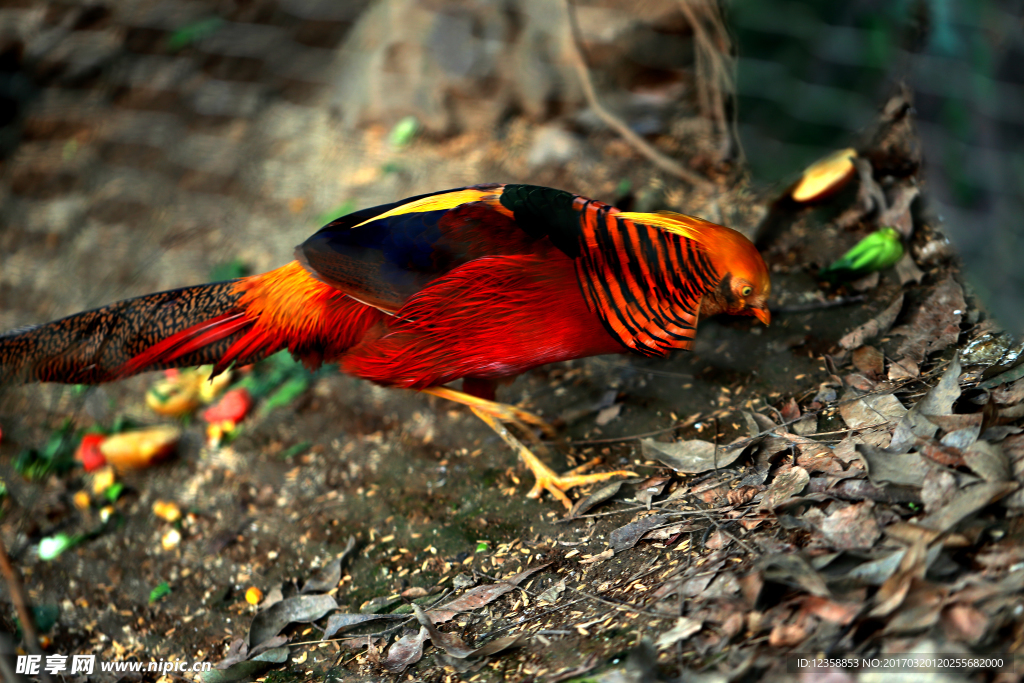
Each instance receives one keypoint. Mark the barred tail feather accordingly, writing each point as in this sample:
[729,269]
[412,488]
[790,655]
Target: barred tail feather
[239,321]
[178,328]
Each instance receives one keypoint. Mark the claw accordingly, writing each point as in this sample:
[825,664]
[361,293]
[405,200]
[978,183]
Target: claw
[496,415]
[547,480]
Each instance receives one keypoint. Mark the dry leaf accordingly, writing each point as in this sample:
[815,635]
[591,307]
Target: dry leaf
[966,503]
[785,486]
[905,469]
[683,629]
[913,565]
[301,609]
[869,361]
[406,651]
[336,623]
[875,327]
[690,457]
[920,609]
[841,613]
[551,595]
[477,597]
[935,324]
[988,461]
[938,401]
[795,570]
[966,623]
[626,537]
[872,410]
[603,494]
[851,527]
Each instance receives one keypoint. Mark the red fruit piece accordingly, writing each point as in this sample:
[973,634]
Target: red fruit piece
[231,407]
[89,454]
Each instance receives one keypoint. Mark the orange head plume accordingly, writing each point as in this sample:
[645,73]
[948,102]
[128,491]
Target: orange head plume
[745,284]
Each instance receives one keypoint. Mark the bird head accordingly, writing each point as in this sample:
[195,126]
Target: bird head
[744,286]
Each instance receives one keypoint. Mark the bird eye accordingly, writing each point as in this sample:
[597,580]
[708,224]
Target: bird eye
[747,291]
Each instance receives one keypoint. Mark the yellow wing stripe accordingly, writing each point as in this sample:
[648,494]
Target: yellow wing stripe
[678,223]
[436,202]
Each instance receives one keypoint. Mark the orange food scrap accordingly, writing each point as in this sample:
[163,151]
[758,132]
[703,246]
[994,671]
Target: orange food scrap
[825,176]
[253,595]
[141,448]
[167,511]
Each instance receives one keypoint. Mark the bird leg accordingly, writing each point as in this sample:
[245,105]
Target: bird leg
[494,414]
[502,411]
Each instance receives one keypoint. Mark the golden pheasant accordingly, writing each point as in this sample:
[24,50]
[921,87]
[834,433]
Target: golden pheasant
[480,284]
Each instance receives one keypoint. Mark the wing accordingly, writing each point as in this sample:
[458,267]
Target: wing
[383,255]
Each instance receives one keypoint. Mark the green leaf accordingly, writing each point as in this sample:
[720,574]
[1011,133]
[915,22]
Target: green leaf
[482,547]
[51,547]
[1011,375]
[403,132]
[122,423]
[45,617]
[70,149]
[232,270]
[878,250]
[57,456]
[113,492]
[193,32]
[295,450]
[336,213]
[161,591]
[285,394]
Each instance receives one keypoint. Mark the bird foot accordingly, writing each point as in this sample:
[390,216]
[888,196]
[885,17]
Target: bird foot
[558,484]
[547,480]
[503,412]
[497,415]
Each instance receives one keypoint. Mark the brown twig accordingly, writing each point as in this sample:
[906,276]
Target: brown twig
[660,160]
[14,587]
[715,66]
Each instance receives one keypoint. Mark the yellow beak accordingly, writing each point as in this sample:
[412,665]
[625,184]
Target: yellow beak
[764,315]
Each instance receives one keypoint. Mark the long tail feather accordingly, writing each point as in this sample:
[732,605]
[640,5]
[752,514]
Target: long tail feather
[240,321]
[178,328]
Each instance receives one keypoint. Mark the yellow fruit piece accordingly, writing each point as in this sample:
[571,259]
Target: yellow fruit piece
[142,448]
[167,511]
[81,499]
[102,479]
[825,176]
[170,540]
[253,595]
[210,389]
[214,434]
[175,396]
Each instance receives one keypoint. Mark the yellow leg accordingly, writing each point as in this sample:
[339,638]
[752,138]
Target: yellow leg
[502,411]
[494,414]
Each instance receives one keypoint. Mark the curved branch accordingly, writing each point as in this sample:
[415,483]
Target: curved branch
[660,160]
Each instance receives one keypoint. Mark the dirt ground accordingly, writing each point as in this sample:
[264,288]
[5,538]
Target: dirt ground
[804,545]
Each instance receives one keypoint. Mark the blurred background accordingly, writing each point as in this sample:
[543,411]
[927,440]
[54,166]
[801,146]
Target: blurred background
[144,143]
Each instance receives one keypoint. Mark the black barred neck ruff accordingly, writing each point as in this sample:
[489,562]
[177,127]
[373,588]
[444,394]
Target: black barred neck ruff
[645,283]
